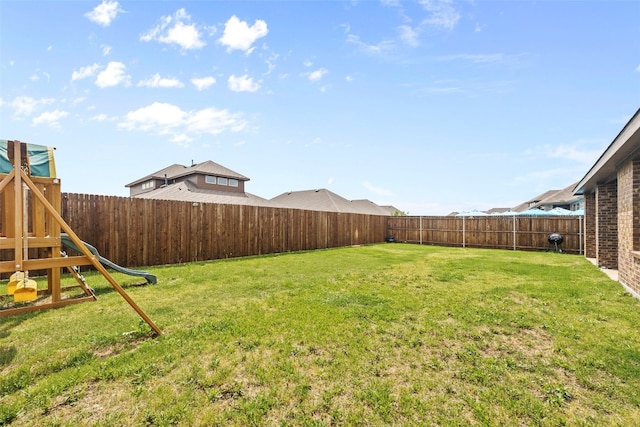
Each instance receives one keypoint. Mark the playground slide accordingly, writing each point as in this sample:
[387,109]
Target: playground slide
[150,278]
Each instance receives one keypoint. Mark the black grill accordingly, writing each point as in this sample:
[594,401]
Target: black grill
[555,240]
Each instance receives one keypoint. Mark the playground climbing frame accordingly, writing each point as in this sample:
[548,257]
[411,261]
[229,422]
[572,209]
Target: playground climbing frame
[30,234]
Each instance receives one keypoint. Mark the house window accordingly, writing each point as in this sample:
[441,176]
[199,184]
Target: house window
[147,185]
[233,182]
[222,181]
[210,179]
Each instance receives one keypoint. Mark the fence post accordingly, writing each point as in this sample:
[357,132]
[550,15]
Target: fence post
[420,229]
[514,233]
[463,232]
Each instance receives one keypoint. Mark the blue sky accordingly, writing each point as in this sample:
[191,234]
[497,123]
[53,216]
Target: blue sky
[431,106]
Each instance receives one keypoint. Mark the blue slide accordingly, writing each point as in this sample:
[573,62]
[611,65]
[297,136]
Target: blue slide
[150,278]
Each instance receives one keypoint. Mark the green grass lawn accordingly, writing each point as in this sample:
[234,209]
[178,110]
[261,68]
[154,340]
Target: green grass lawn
[389,334]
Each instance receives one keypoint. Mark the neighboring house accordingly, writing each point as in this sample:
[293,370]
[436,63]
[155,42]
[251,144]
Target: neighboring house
[202,182]
[611,190]
[548,200]
[325,200]
[209,182]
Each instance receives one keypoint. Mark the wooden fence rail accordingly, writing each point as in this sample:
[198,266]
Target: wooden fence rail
[499,232]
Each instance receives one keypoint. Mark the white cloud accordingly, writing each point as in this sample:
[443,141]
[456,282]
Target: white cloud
[271,62]
[243,84]
[176,29]
[104,13]
[203,82]
[113,75]
[573,152]
[25,105]
[480,58]
[408,35]
[84,72]
[316,141]
[541,177]
[371,49]
[158,116]
[213,121]
[167,119]
[377,190]
[51,118]
[157,81]
[106,50]
[100,118]
[238,35]
[181,139]
[316,75]
[442,14]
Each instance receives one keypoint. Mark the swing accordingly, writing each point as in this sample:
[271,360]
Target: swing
[26,290]
[13,282]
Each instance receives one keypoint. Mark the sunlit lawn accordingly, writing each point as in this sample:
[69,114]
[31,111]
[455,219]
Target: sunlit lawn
[389,334]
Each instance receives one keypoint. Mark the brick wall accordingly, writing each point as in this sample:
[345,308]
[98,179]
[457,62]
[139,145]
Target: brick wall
[607,225]
[628,225]
[590,225]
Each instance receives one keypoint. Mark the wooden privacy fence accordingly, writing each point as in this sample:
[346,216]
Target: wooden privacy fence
[140,232]
[499,232]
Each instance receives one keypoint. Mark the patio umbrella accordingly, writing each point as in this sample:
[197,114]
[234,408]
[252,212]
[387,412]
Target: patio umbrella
[536,212]
[505,213]
[472,213]
[561,211]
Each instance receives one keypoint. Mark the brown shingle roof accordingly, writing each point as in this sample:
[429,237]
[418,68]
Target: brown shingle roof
[549,198]
[186,191]
[205,168]
[327,201]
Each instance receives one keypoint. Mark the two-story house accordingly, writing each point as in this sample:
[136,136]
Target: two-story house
[201,182]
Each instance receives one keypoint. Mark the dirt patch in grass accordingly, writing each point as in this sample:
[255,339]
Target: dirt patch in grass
[533,343]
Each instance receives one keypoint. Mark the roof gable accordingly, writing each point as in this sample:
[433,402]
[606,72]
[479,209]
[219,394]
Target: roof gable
[204,168]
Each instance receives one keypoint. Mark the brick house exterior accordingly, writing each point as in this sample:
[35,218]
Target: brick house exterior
[611,190]
[206,176]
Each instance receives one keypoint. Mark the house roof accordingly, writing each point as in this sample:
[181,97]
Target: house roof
[564,196]
[625,145]
[204,168]
[532,202]
[186,191]
[327,201]
[366,206]
[551,197]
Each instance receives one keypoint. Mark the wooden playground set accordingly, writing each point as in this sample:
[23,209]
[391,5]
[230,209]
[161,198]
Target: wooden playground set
[31,236]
